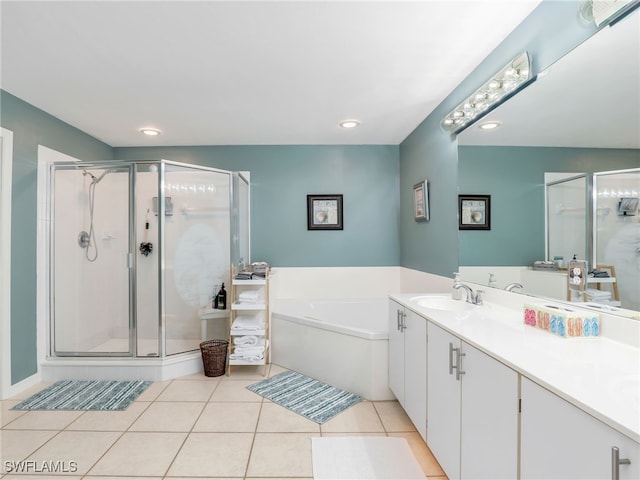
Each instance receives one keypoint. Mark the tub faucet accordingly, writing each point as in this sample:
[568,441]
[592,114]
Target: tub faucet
[511,286]
[474,298]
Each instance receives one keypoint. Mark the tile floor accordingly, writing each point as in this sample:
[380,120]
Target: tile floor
[188,427]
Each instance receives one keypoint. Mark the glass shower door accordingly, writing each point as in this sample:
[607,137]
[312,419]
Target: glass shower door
[91,263]
[195,231]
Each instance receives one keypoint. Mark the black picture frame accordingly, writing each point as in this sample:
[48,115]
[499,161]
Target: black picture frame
[324,212]
[474,212]
[421,201]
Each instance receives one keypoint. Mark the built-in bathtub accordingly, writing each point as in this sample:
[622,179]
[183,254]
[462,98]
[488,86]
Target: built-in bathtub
[340,342]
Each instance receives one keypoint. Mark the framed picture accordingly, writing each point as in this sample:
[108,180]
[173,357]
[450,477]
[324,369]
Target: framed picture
[324,212]
[421,201]
[474,212]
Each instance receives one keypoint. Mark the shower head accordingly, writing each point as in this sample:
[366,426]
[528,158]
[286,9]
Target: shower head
[94,179]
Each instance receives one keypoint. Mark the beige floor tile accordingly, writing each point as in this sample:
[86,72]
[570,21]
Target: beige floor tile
[281,454]
[274,418]
[77,451]
[152,391]
[235,391]
[112,421]
[44,420]
[16,445]
[359,418]
[140,454]
[188,391]
[394,418]
[276,369]
[421,451]
[6,414]
[228,417]
[168,417]
[213,454]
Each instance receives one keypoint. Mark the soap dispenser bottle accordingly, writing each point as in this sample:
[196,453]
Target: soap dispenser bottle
[456,293]
[222,298]
[492,280]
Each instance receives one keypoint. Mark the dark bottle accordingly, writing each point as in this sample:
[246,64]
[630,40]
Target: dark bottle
[221,299]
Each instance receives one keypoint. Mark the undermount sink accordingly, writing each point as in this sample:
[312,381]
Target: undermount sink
[441,302]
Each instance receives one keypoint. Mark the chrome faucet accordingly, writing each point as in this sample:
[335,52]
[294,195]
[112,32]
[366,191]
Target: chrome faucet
[511,286]
[474,298]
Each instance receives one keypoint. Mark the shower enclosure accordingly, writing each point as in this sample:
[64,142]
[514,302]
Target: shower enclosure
[137,250]
[596,217]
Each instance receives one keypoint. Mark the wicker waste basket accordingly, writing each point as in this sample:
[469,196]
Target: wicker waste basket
[214,357]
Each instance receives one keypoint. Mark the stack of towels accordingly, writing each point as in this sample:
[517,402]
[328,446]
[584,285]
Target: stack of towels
[248,347]
[251,297]
[247,325]
[598,296]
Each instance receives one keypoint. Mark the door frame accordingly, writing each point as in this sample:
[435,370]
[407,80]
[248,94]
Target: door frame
[6,180]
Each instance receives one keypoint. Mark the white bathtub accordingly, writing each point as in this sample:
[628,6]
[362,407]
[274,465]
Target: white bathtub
[340,342]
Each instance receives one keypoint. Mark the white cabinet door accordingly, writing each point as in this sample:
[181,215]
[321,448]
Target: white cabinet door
[443,400]
[396,352]
[489,438]
[558,440]
[415,374]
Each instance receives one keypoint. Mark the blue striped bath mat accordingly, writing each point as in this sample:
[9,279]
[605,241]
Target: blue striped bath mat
[85,395]
[305,396]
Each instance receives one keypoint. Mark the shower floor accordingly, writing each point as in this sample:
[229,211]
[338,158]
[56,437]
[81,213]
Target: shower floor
[148,347]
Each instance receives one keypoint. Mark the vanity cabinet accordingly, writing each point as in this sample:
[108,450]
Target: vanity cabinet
[408,363]
[472,424]
[561,441]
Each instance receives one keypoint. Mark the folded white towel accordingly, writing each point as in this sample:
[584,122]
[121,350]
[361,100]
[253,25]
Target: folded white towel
[246,322]
[251,350]
[246,340]
[594,293]
[251,296]
[247,358]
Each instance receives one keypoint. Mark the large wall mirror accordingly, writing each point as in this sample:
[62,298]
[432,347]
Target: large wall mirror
[580,117]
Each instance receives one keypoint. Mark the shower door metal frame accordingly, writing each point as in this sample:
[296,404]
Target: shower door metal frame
[130,257]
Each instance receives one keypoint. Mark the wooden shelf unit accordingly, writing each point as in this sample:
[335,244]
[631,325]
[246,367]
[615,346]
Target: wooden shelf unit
[261,309]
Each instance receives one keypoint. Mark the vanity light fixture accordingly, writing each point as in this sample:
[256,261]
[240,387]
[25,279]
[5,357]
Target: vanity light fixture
[351,123]
[511,78]
[149,131]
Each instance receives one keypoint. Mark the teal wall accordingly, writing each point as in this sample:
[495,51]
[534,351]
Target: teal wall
[514,177]
[281,178]
[32,127]
[549,32]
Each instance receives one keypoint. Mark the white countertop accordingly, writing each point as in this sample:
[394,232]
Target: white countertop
[598,375]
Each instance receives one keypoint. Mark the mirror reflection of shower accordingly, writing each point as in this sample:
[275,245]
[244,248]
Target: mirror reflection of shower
[86,239]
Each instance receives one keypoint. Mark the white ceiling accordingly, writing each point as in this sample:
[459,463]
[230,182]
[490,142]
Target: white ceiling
[590,98]
[247,73]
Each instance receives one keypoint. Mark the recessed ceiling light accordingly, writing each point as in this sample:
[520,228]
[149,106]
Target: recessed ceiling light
[489,125]
[152,132]
[351,123]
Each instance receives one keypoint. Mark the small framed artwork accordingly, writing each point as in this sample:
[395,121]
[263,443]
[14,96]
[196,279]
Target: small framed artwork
[474,212]
[421,201]
[324,212]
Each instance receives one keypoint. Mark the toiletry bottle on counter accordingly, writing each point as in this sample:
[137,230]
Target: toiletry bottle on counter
[456,293]
[492,280]
[221,299]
